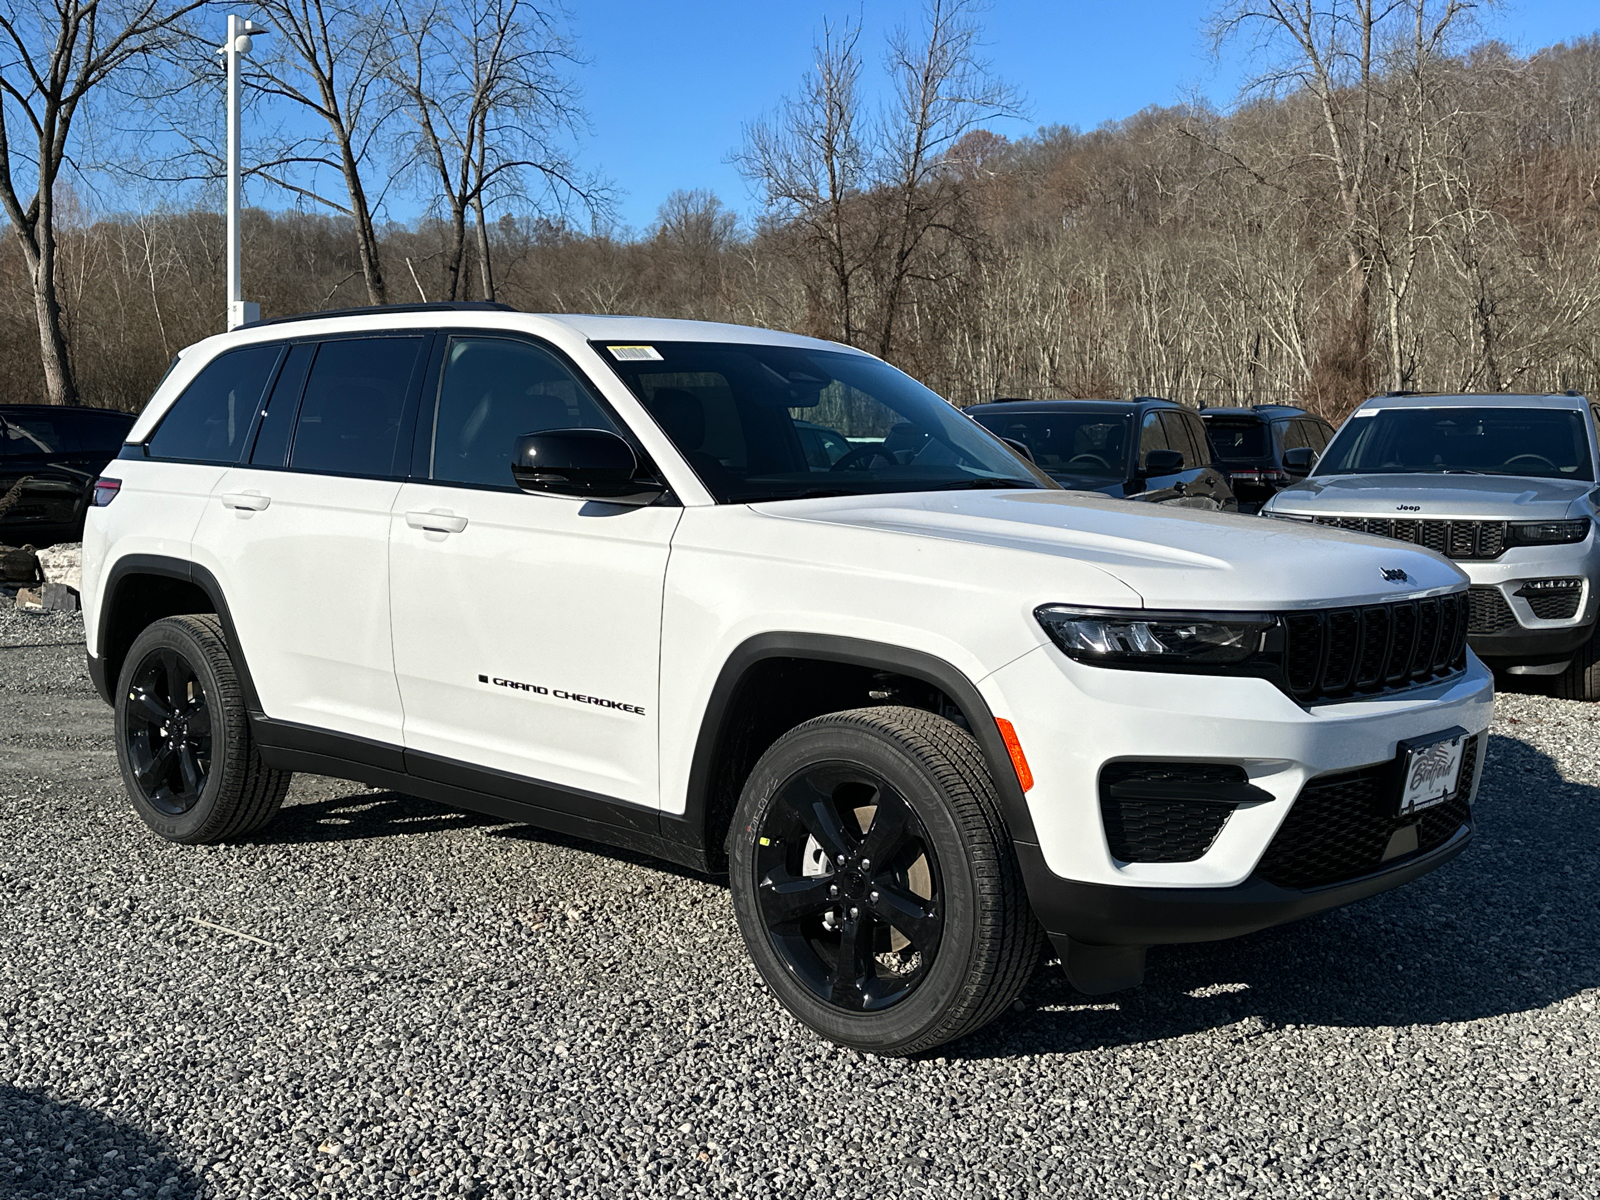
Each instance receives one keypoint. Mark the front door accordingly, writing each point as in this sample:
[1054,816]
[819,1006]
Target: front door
[526,627]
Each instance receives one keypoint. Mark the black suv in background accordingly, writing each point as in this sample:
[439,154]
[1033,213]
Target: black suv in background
[1265,447]
[1142,449]
[60,451]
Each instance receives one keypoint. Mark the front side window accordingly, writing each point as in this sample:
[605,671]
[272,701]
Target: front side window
[492,391]
[210,421]
[1545,443]
[1152,436]
[757,422]
[354,398]
[1090,444]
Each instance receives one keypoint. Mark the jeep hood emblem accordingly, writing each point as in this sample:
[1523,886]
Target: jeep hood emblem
[1394,575]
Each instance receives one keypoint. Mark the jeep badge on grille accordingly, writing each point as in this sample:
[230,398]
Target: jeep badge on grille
[1394,575]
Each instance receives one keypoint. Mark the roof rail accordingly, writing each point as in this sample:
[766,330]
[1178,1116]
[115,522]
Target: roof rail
[377,309]
[1294,408]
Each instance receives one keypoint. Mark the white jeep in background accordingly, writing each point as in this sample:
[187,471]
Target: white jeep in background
[760,603]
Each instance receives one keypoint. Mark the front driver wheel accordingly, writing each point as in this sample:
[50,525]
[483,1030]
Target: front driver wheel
[189,763]
[875,885]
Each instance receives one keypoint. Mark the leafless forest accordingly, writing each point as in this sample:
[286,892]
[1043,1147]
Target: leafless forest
[1393,205]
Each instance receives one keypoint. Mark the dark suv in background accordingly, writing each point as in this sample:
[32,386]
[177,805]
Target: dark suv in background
[1142,449]
[60,451]
[1265,447]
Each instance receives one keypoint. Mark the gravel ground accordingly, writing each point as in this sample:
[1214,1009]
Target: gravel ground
[384,997]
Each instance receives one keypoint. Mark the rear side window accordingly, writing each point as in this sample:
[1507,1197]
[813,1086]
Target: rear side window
[210,421]
[493,390]
[35,436]
[354,399]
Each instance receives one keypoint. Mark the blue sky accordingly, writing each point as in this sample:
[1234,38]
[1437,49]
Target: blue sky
[669,85]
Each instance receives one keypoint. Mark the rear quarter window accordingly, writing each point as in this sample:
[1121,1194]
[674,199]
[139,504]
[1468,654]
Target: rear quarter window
[209,422]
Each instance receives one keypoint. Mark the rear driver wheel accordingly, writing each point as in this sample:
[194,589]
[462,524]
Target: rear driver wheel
[189,763]
[875,884]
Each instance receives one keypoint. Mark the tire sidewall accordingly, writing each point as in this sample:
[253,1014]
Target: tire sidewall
[194,825]
[947,981]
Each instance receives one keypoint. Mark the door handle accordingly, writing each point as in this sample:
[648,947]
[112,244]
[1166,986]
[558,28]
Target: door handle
[436,522]
[254,501]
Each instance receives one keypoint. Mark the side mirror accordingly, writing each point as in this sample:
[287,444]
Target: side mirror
[1020,447]
[1299,460]
[588,464]
[1163,462]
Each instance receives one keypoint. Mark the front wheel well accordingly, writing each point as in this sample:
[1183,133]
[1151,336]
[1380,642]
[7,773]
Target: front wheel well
[776,694]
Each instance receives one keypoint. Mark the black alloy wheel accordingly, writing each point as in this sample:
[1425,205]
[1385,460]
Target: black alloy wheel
[849,888]
[183,736]
[168,732]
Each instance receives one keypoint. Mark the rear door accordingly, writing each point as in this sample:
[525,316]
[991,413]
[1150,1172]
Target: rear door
[37,449]
[526,626]
[1204,486]
[298,535]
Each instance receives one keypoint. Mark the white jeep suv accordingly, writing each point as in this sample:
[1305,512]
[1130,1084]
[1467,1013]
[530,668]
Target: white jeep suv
[760,603]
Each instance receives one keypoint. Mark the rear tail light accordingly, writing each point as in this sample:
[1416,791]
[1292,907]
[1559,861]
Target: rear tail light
[105,491]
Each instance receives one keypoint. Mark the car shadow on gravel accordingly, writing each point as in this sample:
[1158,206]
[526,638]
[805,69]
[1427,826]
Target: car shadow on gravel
[363,816]
[51,1148]
[1512,925]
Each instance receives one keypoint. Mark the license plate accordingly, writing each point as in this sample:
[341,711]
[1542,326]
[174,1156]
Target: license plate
[1432,771]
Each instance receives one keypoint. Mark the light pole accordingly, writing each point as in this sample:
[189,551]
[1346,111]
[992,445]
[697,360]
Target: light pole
[232,51]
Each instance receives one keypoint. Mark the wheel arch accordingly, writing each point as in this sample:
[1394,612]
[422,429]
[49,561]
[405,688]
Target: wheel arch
[722,759]
[141,589]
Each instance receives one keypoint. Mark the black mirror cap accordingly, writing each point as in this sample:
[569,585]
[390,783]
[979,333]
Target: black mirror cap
[1299,459]
[588,464]
[1020,447]
[1163,462]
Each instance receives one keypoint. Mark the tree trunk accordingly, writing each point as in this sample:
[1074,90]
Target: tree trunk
[39,251]
[485,266]
[366,233]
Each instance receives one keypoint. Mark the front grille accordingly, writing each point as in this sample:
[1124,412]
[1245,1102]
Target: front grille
[1481,540]
[1489,611]
[1340,825]
[1377,648]
[1553,604]
[1164,826]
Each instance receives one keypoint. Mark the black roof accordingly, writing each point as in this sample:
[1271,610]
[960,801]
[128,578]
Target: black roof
[373,310]
[46,409]
[1074,405]
[1264,412]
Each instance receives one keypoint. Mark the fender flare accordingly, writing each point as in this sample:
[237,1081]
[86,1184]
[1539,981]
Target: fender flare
[169,568]
[915,664]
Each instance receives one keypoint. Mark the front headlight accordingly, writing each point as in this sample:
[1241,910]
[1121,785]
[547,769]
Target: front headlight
[1549,533]
[1133,637]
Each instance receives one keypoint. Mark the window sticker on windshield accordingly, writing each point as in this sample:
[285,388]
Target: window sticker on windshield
[1364,412]
[635,353]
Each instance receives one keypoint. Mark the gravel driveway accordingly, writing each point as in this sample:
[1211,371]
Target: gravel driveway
[384,997]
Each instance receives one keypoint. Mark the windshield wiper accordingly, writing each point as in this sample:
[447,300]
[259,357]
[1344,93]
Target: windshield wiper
[1458,471]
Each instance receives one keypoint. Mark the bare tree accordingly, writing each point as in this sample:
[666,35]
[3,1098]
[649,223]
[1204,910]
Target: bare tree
[811,164]
[331,60]
[485,89]
[54,55]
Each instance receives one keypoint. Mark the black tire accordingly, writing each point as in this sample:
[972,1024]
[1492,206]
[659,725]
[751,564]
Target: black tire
[940,934]
[1581,679]
[188,761]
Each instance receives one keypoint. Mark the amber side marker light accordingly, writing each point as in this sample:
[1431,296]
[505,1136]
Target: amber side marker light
[1019,760]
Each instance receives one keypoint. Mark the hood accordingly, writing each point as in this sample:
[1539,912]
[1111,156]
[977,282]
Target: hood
[1172,557]
[1463,497]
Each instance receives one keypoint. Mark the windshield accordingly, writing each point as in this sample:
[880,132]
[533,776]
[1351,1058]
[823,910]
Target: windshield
[1239,441]
[1068,443]
[1543,442]
[780,423]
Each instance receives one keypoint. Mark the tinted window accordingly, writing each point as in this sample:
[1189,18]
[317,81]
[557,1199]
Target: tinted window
[210,421]
[1082,443]
[492,391]
[1291,434]
[102,433]
[1318,433]
[27,436]
[354,398]
[1238,441]
[1181,437]
[277,422]
[1543,442]
[1152,436]
[736,411]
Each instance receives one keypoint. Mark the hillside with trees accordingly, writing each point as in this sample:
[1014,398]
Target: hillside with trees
[1391,206]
